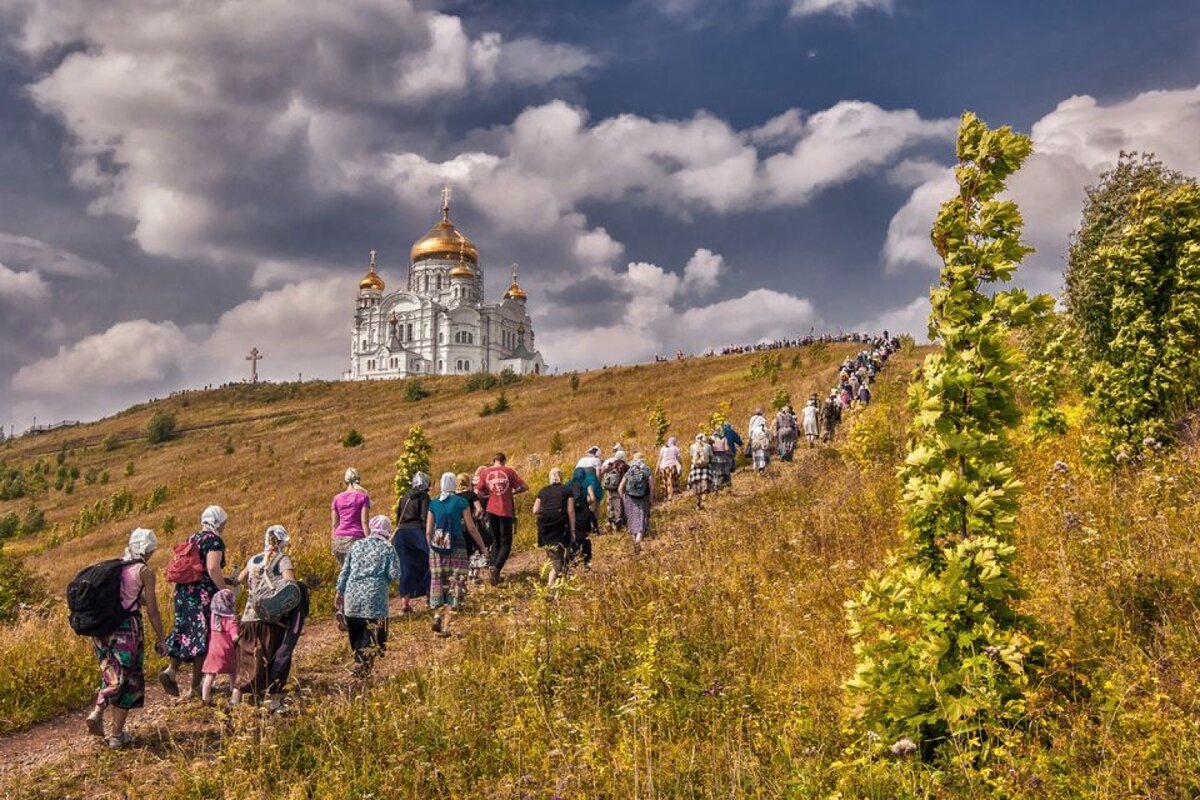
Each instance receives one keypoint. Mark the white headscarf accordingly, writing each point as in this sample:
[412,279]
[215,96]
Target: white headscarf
[420,481]
[449,483]
[352,478]
[276,535]
[213,519]
[556,475]
[142,542]
[381,526]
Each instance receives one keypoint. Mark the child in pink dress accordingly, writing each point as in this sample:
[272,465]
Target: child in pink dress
[221,658]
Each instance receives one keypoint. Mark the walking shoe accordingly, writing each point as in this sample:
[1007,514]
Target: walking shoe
[95,722]
[494,578]
[437,623]
[169,684]
[120,741]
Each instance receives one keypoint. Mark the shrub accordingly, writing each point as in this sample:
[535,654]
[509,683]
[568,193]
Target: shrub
[91,476]
[942,654]
[767,366]
[10,525]
[229,448]
[169,524]
[104,478]
[129,469]
[557,445]
[157,497]
[18,586]
[111,442]
[658,419]
[34,521]
[782,398]
[413,458]
[481,381]
[499,407]
[161,427]
[508,377]
[574,381]
[414,390]
[352,439]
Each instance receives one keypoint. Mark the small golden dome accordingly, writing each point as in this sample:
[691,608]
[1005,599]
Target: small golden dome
[444,240]
[371,280]
[515,292]
[462,270]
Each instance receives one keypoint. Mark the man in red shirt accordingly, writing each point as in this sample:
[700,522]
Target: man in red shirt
[500,483]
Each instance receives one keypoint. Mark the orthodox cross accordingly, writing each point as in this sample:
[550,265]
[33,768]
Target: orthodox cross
[254,358]
[445,202]
[372,261]
[514,272]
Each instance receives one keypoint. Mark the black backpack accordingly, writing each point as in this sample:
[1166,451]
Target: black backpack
[94,599]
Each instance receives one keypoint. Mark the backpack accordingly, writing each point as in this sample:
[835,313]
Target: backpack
[637,482]
[785,422]
[94,599]
[611,479]
[186,564]
[443,532]
[274,599]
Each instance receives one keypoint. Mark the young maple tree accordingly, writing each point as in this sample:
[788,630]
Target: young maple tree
[942,654]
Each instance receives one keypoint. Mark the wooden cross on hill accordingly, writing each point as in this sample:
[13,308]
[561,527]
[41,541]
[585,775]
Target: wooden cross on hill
[254,358]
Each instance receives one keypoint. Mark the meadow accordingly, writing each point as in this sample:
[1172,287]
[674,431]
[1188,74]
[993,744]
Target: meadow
[710,665]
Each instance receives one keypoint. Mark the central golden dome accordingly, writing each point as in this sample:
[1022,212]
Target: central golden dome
[445,241]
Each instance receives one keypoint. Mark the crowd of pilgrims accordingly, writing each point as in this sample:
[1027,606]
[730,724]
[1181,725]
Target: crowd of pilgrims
[440,538]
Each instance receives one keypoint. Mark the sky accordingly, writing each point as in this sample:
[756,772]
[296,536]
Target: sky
[180,182]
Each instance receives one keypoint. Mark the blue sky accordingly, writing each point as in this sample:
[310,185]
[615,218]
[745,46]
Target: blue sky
[181,183]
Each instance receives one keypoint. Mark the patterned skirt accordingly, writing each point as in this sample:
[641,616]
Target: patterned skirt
[188,639]
[122,657]
[447,577]
[637,514]
[761,456]
[700,477]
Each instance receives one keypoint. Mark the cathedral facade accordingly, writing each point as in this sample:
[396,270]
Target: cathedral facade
[439,322]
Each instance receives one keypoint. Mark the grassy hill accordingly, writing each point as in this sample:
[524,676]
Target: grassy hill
[710,665]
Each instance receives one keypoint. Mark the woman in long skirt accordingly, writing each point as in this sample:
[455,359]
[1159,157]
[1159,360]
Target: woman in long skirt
[448,522]
[188,640]
[636,490]
[410,542]
[259,640]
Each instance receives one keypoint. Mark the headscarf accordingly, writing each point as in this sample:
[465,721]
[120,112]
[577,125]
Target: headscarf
[619,455]
[213,519]
[594,450]
[224,604]
[352,478]
[556,475]
[142,542]
[671,442]
[638,458]
[449,483]
[420,482]
[276,535]
[381,526]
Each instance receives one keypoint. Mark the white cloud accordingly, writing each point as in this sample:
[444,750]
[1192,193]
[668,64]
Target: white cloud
[703,270]
[22,287]
[134,352]
[911,318]
[842,8]
[25,251]
[1073,145]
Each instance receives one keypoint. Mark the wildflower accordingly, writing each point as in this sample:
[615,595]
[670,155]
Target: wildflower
[1061,468]
[903,747]
[1071,520]
[992,652]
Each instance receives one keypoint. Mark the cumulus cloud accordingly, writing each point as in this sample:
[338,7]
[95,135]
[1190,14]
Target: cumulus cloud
[842,8]
[30,253]
[138,352]
[1073,145]
[22,287]
[911,318]
[703,271]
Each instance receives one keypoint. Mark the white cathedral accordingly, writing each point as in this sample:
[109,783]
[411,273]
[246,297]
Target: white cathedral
[439,323]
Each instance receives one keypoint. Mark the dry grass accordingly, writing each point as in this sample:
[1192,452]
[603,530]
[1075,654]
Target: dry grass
[711,665]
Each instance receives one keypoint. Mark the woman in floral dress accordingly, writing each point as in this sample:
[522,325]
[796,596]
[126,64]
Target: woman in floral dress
[370,568]
[188,641]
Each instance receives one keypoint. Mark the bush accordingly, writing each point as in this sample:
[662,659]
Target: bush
[129,469]
[352,439]
[508,377]
[104,478]
[229,448]
[481,381]
[574,381]
[169,524]
[414,390]
[18,586]
[413,458]
[767,366]
[10,525]
[557,445]
[658,420]
[161,427]
[782,398]
[91,476]
[111,442]
[499,407]
[157,497]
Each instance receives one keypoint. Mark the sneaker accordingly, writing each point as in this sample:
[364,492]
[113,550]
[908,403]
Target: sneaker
[120,741]
[95,722]
[495,576]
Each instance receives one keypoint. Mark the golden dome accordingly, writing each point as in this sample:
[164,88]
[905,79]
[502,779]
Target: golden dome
[462,270]
[515,292]
[445,240]
[371,280]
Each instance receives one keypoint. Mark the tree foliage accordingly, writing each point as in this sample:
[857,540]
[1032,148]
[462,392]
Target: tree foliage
[1147,374]
[1089,278]
[658,419]
[1050,351]
[941,653]
[161,427]
[413,459]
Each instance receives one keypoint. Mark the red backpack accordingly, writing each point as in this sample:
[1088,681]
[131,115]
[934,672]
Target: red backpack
[186,564]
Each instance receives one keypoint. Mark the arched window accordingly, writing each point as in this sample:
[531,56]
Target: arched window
[410,336]
[439,366]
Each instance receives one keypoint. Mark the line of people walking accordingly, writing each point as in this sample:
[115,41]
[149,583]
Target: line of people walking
[439,543]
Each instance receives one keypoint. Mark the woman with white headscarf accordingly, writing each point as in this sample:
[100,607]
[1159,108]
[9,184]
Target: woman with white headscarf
[349,512]
[371,567]
[448,518]
[122,653]
[188,641]
[259,639]
[412,548]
